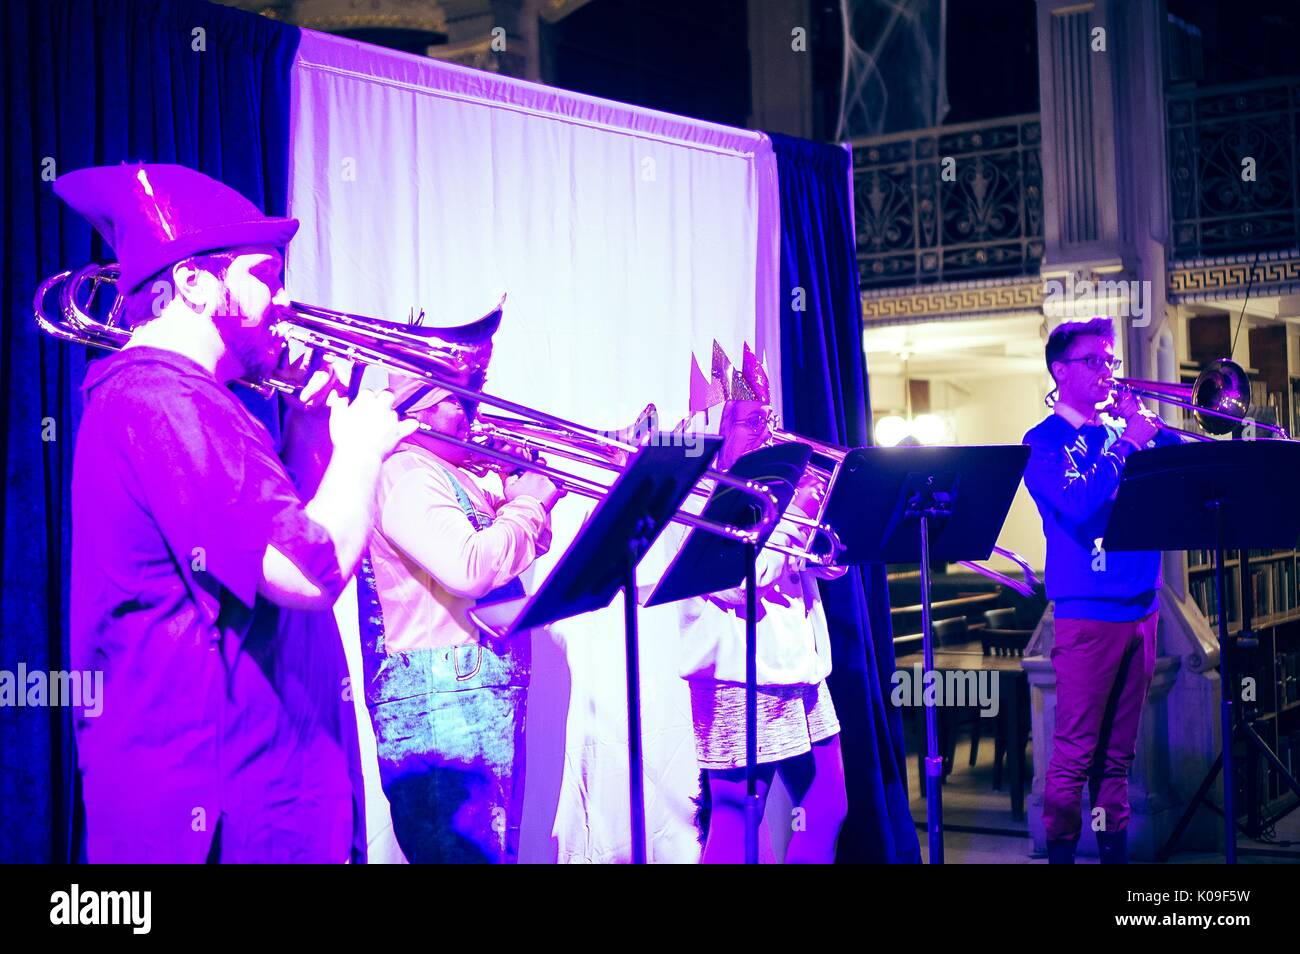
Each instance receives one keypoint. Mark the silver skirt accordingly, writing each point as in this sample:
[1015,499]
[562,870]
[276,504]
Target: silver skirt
[790,720]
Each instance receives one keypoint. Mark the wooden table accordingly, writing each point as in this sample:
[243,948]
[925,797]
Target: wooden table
[1011,676]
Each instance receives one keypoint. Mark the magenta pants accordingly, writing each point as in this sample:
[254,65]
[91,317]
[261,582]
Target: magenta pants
[1103,670]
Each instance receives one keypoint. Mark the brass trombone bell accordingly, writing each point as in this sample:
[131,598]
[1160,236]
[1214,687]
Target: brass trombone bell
[1219,399]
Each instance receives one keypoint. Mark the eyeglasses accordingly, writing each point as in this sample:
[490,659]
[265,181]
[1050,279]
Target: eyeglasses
[1096,363]
[759,422]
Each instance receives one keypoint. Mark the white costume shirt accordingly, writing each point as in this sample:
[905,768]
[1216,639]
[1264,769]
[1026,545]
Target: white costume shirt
[793,640]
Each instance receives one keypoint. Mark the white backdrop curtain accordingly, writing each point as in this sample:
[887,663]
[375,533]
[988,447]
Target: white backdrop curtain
[627,240]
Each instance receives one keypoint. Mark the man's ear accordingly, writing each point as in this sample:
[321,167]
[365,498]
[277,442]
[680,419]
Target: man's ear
[195,286]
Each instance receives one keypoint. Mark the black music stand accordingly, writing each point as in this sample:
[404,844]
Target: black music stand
[602,560]
[1226,495]
[914,505]
[708,563]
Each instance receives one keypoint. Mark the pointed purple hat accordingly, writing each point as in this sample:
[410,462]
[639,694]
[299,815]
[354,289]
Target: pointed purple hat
[155,214]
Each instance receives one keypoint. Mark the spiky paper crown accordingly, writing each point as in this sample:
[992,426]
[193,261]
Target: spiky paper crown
[726,382]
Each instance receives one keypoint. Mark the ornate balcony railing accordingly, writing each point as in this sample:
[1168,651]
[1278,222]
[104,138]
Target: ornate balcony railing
[949,203]
[1232,168]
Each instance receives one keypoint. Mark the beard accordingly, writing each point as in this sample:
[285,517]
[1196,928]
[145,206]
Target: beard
[254,347]
[250,341]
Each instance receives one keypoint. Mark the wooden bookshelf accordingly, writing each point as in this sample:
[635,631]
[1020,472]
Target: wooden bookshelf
[1274,665]
[1275,582]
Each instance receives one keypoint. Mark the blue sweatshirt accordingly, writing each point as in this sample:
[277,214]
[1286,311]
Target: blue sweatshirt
[1073,473]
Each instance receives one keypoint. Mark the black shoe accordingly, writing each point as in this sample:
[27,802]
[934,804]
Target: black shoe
[1113,847]
[1061,852]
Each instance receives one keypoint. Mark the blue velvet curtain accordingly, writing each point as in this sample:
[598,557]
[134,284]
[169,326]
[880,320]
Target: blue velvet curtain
[824,388]
[93,82]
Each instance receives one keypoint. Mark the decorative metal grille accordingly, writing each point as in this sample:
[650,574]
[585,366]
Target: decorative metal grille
[984,219]
[1232,168]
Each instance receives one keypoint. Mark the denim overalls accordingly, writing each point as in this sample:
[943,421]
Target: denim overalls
[449,727]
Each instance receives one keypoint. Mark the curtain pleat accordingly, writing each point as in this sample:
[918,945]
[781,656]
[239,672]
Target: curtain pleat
[93,83]
[825,397]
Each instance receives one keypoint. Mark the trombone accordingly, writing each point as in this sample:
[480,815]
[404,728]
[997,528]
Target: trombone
[377,344]
[373,343]
[1219,400]
[536,440]
[835,455]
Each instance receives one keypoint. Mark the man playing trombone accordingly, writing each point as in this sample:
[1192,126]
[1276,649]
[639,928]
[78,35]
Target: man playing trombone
[448,705]
[1105,603]
[223,735]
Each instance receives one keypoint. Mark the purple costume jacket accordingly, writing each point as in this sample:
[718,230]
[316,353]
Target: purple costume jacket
[227,727]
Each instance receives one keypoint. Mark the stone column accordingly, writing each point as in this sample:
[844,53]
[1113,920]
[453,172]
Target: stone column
[780,66]
[1104,170]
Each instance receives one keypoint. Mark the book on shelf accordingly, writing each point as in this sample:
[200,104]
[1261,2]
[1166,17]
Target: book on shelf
[1262,589]
[1203,591]
[1274,576]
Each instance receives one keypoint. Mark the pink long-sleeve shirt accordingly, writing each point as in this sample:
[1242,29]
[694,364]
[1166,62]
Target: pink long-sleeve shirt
[430,563]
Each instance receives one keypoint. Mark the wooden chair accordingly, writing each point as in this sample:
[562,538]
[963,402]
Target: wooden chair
[1002,618]
[952,631]
[1005,642]
[1002,642]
